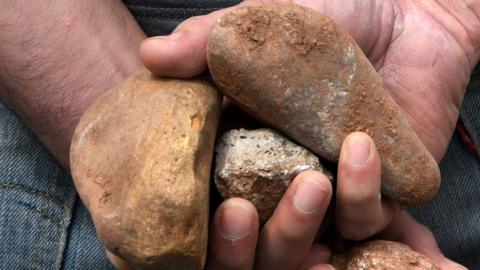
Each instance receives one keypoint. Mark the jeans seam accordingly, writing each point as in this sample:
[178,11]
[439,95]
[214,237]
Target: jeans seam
[44,195]
[45,215]
[64,236]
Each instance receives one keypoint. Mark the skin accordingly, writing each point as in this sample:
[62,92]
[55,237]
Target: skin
[55,60]
[423,50]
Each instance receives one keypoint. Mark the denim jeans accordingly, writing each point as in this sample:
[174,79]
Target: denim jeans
[44,225]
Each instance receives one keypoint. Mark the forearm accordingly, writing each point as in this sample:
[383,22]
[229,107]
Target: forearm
[56,57]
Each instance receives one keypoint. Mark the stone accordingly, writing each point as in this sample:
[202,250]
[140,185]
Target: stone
[259,165]
[141,160]
[382,255]
[299,72]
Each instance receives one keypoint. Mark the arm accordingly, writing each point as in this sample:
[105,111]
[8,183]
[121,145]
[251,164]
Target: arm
[56,57]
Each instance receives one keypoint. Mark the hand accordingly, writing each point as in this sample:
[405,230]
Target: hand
[424,52]
[57,58]
[406,230]
[287,239]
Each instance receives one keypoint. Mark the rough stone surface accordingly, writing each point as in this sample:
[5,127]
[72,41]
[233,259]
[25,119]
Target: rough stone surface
[141,158]
[382,255]
[259,165]
[298,71]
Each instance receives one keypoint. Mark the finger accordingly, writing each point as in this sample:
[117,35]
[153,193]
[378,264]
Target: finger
[407,230]
[183,53]
[288,235]
[360,211]
[318,256]
[233,236]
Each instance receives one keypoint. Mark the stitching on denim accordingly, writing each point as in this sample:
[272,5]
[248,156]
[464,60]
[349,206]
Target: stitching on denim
[44,195]
[45,215]
[62,247]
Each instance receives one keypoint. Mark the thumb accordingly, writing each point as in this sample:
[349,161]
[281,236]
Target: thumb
[183,53]
[405,229]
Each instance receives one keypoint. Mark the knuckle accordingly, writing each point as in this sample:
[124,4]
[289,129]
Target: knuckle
[288,235]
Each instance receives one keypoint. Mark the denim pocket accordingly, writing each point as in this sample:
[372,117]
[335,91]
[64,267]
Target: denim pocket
[36,200]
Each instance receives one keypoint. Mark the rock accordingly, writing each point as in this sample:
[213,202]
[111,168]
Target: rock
[298,71]
[259,165]
[382,255]
[141,158]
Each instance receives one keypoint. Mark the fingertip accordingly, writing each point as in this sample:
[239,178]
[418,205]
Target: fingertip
[236,218]
[358,149]
[317,177]
[242,203]
[360,211]
[180,55]
[233,236]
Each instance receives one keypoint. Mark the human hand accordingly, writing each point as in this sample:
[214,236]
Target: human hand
[57,58]
[424,52]
[405,229]
[287,239]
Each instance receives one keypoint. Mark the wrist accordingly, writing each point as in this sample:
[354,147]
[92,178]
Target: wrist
[57,61]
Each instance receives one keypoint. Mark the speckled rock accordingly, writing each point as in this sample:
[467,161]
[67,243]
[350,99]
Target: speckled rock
[259,165]
[382,255]
[141,158]
[298,71]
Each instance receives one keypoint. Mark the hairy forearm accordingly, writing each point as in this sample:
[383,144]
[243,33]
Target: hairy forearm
[56,57]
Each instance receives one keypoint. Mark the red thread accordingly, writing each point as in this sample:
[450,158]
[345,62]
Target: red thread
[467,140]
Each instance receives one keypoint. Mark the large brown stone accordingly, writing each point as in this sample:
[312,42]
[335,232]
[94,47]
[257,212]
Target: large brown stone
[382,255]
[259,165]
[301,73]
[141,159]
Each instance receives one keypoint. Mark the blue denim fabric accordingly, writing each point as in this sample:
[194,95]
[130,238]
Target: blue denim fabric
[160,17]
[454,215]
[44,225]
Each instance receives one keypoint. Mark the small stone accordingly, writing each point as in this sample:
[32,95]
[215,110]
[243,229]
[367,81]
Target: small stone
[382,255]
[259,165]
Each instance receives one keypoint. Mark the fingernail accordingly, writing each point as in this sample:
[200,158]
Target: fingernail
[235,222]
[358,151]
[309,196]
